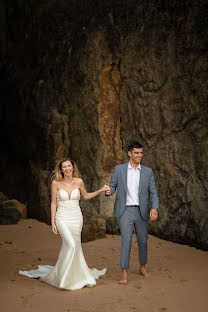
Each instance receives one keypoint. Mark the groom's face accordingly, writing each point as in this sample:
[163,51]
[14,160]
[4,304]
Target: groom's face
[136,155]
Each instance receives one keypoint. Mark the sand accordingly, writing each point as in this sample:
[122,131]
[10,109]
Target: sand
[178,281]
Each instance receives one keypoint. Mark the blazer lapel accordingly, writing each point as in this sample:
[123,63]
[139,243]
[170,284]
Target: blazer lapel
[125,175]
[141,179]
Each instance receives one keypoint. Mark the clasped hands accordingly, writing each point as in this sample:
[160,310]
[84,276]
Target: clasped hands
[106,189]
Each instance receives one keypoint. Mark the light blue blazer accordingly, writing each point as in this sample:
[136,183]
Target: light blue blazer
[147,190]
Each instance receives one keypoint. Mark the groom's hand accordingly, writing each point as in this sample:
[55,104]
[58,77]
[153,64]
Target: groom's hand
[153,214]
[107,190]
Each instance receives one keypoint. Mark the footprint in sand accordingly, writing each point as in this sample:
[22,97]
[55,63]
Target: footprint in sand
[165,271]
[161,292]
[169,257]
[26,300]
[158,246]
[182,283]
[137,285]
[120,300]
[100,282]
[134,309]
[20,252]
[160,309]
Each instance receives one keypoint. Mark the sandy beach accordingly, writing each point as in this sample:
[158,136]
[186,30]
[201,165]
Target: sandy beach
[178,281]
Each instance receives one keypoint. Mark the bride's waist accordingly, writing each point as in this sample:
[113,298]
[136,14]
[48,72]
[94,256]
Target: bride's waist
[70,211]
[68,204]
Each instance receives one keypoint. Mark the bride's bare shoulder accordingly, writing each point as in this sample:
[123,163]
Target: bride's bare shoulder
[78,181]
[55,183]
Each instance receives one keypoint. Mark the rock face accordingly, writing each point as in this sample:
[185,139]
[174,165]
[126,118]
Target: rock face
[3,197]
[19,206]
[94,227]
[112,225]
[11,211]
[9,214]
[83,78]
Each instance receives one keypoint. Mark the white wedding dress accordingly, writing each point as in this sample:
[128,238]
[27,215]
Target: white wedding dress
[71,271]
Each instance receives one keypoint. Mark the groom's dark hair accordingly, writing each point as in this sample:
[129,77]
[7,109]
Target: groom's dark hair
[134,145]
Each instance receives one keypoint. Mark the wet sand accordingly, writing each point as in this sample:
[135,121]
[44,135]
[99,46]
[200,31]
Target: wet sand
[178,281]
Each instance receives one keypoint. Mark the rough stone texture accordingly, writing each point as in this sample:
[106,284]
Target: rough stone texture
[112,225]
[3,197]
[94,228]
[13,203]
[86,77]
[9,214]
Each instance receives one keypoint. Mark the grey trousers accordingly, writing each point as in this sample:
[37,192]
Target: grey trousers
[130,218]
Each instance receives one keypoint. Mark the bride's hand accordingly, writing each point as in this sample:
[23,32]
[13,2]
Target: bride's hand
[54,229]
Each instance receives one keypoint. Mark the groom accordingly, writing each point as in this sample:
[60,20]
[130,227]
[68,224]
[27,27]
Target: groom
[135,186]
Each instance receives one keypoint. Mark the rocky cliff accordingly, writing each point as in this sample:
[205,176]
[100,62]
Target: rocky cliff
[83,78]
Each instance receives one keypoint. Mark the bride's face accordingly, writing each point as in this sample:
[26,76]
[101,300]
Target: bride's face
[67,168]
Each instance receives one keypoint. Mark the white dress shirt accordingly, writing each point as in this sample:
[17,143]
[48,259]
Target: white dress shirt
[133,178]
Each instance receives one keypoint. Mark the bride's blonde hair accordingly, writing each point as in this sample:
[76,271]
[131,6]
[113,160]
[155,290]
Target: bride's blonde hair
[58,174]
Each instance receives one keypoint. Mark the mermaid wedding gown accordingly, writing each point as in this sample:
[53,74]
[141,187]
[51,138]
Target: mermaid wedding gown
[71,271]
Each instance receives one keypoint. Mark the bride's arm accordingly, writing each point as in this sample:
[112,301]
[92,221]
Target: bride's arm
[86,195]
[53,206]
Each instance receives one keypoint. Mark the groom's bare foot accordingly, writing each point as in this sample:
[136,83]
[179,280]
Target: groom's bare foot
[124,278]
[143,271]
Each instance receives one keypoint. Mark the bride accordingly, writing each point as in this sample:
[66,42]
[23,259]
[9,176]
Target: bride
[71,271]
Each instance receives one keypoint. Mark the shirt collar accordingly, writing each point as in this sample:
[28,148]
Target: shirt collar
[130,167]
